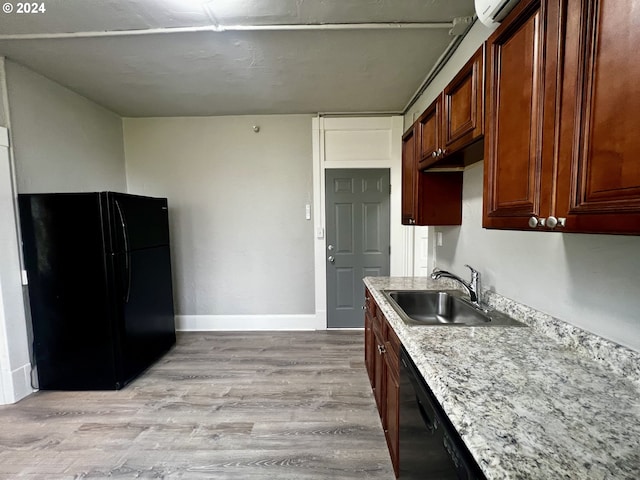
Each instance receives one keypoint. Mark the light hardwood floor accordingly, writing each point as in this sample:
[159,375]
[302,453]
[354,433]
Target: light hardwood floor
[286,405]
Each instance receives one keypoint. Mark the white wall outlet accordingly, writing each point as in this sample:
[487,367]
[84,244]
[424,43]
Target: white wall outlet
[319,232]
[307,211]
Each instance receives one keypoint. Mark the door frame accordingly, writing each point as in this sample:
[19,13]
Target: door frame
[346,129]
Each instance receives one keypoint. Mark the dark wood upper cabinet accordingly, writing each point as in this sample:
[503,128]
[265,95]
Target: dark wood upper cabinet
[463,104]
[433,198]
[429,127]
[409,178]
[455,119]
[514,159]
[561,146]
[598,187]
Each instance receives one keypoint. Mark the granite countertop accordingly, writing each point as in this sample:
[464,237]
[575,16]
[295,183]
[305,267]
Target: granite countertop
[545,402]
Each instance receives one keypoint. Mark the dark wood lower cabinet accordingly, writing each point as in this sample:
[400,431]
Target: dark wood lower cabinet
[369,339]
[382,349]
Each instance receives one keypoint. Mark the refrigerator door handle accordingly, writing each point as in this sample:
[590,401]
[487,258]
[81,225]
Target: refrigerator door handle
[127,262]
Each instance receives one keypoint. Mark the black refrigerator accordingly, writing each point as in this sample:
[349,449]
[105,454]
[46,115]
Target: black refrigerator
[100,291]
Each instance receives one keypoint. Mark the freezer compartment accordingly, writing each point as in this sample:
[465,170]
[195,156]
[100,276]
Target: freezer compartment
[136,222]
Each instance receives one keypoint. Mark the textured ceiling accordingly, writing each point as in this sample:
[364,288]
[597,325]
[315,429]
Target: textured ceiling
[234,72]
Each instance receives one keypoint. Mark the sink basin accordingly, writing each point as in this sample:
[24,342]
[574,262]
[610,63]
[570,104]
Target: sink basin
[446,307]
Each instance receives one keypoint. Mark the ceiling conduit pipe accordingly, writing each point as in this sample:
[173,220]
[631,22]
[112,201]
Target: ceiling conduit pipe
[231,28]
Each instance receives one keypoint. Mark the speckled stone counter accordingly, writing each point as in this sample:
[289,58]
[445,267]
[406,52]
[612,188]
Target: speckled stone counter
[545,402]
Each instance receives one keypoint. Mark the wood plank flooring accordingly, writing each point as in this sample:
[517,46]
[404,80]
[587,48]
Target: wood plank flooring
[244,405]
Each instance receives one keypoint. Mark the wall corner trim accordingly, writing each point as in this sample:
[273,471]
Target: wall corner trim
[16,384]
[4,137]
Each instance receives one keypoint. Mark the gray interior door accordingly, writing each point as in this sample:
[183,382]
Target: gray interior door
[357,211]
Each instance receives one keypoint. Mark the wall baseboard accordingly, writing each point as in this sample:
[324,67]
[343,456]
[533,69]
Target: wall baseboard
[16,384]
[195,323]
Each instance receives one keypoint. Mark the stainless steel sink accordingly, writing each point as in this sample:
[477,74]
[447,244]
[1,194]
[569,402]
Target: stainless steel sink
[446,307]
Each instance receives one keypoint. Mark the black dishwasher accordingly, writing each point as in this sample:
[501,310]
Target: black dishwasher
[430,448]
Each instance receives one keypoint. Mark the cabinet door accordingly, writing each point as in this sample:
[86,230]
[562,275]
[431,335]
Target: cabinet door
[409,178]
[429,128]
[463,102]
[518,165]
[369,347]
[379,373]
[599,174]
[392,418]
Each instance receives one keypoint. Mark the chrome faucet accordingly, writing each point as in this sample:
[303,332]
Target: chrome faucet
[473,287]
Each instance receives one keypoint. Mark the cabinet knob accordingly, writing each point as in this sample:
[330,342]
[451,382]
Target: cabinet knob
[381,349]
[440,152]
[535,221]
[550,222]
[434,154]
[553,222]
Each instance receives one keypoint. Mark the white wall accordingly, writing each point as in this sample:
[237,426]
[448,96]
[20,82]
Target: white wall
[15,366]
[62,142]
[590,281]
[242,248]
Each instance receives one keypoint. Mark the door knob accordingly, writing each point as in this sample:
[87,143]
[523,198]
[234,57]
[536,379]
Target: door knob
[331,258]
